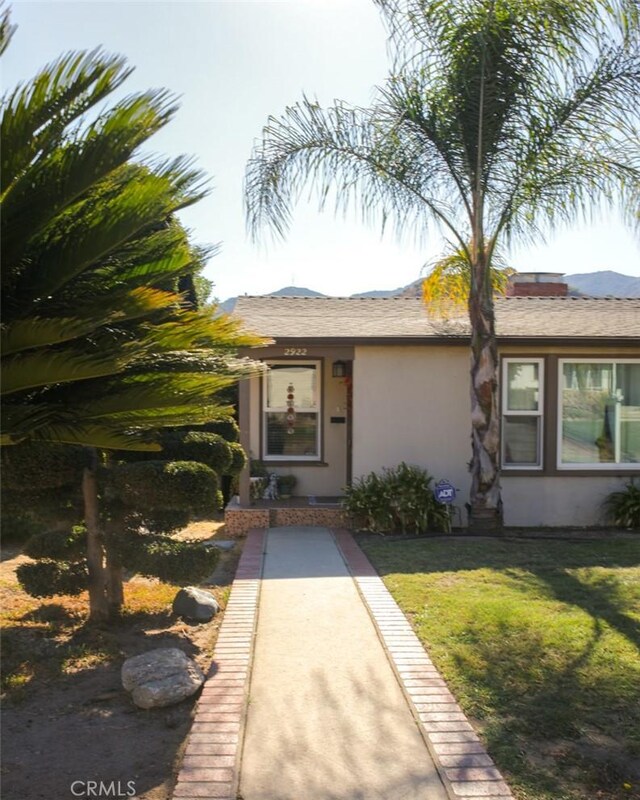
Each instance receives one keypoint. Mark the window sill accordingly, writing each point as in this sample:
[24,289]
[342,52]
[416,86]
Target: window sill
[569,473]
[294,463]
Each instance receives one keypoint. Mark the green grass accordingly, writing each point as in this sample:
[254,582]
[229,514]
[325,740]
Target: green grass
[539,641]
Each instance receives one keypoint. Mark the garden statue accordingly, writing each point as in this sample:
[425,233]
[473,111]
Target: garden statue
[271,492]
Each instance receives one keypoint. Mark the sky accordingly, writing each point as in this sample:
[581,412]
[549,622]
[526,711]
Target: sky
[233,64]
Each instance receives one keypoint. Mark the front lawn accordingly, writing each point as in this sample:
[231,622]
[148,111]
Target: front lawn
[539,641]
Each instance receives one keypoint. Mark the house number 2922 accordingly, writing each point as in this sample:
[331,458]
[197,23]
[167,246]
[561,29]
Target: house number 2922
[295,351]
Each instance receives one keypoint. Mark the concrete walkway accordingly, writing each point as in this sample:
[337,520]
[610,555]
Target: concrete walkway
[327,719]
[320,689]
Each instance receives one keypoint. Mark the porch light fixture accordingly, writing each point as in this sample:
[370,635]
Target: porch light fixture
[339,369]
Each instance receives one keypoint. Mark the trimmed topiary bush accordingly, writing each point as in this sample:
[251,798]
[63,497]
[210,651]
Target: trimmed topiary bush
[49,578]
[238,459]
[206,448]
[147,486]
[164,520]
[59,545]
[143,497]
[227,428]
[172,561]
[48,466]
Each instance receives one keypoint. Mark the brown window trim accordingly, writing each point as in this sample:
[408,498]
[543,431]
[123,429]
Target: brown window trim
[296,464]
[550,422]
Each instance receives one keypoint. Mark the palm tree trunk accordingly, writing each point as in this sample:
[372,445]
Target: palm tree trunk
[485,513]
[115,586]
[98,608]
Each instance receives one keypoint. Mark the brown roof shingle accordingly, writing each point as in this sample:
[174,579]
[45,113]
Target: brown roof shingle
[406,318]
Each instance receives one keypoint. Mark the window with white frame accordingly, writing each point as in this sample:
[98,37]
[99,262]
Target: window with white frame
[522,413]
[598,413]
[291,412]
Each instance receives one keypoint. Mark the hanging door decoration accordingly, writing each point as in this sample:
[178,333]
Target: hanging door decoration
[291,411]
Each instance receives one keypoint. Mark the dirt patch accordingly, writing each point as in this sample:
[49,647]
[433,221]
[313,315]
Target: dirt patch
[66,717]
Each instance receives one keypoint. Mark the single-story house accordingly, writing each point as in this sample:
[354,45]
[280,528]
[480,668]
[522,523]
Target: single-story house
[352,385]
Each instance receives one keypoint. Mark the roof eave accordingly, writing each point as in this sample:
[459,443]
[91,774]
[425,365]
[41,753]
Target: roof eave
[582,341]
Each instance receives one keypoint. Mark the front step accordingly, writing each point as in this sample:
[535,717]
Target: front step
[238,520]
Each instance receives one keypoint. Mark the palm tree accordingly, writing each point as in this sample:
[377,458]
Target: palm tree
[100,344]
[500,118]
[93,258]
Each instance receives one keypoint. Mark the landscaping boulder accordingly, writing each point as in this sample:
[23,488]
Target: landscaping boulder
[195,604]
[161,677]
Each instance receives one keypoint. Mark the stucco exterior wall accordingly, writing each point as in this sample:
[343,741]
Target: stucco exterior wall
[556,501]
[412,404]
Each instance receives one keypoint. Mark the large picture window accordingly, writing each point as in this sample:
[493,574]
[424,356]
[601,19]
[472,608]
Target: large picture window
[599,413]
[522,413]
[292,411]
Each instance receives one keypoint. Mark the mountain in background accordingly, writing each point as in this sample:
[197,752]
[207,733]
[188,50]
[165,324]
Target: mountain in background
[605,283]
[593,284]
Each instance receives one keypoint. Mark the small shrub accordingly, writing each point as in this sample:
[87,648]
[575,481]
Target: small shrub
[623,507]
[368,503]
[401,498]
[286,484]
[257,485]
[59,545]
[49,578]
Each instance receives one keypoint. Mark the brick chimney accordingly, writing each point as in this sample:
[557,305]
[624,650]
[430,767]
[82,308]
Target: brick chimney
[537,284]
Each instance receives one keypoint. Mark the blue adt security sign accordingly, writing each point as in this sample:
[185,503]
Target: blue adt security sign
[444,492]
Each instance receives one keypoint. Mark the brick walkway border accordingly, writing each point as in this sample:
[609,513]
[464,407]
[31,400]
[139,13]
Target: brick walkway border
[210,767]
[466,769]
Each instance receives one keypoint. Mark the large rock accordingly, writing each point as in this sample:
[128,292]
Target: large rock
[161,677]
[196,604]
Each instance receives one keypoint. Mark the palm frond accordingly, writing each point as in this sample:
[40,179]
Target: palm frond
[30,370]
[360,153]
[34,331]
[447,287]
[36,113]
[194,330]
[103,437]
[60,178]
[6,29]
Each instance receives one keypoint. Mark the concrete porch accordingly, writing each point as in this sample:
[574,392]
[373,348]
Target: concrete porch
[320,511]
